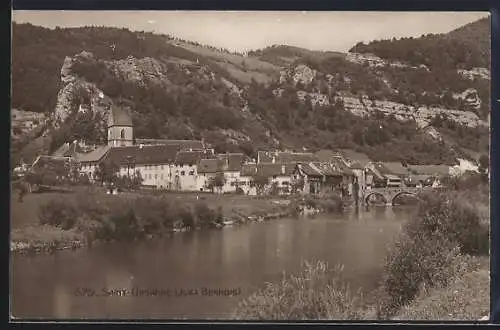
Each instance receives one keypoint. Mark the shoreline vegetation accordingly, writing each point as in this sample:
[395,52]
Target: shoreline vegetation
[437,269]
[88,216]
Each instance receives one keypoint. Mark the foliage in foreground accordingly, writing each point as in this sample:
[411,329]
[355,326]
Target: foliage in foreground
[316,293]
[432,250]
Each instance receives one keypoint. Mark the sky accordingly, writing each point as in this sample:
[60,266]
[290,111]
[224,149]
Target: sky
[243,31]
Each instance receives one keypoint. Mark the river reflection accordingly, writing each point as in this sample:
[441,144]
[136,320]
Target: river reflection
[245,257]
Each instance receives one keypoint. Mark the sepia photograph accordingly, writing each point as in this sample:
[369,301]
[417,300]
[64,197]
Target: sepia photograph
[250,165]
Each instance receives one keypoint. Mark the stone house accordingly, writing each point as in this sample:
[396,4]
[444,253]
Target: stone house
[323,177]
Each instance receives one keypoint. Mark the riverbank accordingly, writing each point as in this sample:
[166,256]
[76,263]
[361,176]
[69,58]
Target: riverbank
[51,221]
[438,269]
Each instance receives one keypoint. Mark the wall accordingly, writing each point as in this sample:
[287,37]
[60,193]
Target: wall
[158,175]
[187,178]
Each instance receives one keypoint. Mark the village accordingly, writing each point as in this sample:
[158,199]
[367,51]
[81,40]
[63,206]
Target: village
[193,166]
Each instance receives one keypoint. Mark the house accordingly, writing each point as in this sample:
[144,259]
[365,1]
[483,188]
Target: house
[247,175]
[433,174]
[89,161]
[185,170]
[232,164]
[207,170]
[266,178]
[387,174]
[60,166]
[322,177]
[154,163]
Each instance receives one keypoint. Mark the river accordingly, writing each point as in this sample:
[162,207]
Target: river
[240,259]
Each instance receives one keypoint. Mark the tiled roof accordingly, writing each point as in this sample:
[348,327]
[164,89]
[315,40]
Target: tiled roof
[67,150]
[188,157]
[325,155]
[210,165]
[57,164]
[234,161]
[285,157]
[158,154]
[183,144]
[119,117]
[356,166]
[267,169]
[336,167]
[354,156]
[310,170]
[392,168]
[93,156]
[248,169]
[430,169]
[420,177]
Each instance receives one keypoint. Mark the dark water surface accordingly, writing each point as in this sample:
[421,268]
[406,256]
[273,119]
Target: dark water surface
[240,259]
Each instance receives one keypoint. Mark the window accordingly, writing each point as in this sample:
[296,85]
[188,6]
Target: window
[285,183]
[182,172]
[191,172]
[274,176]
[122,134]
[162,167]
[149,176]
[162,176]
[156,176]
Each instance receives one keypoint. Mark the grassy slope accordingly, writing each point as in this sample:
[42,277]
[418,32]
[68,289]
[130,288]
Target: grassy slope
[466,298]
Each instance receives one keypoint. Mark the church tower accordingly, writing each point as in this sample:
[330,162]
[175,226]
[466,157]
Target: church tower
[120,127]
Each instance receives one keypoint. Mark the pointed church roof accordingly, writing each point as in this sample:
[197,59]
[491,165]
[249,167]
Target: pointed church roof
[119,116]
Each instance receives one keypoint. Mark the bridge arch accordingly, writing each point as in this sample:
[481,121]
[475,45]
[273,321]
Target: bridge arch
[375,193]
[401,193]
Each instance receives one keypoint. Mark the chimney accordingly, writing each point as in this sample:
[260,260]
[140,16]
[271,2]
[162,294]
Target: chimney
[283,169]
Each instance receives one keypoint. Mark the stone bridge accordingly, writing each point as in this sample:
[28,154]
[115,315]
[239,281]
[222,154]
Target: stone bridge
[389,194]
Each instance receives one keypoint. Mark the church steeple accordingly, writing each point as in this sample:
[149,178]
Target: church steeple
[120,127]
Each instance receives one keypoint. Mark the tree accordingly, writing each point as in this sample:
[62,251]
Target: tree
[107,172]
[260,181]
[217,181]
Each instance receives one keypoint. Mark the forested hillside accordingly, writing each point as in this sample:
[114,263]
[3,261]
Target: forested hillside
[465,47]
[275,98]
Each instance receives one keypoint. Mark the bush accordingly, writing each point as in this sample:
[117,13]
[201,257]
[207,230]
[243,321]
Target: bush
[456,220]
[204,215]
[58,213]
[430,249]
[316,293]
[332,203]
[152,214]
[414,262]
